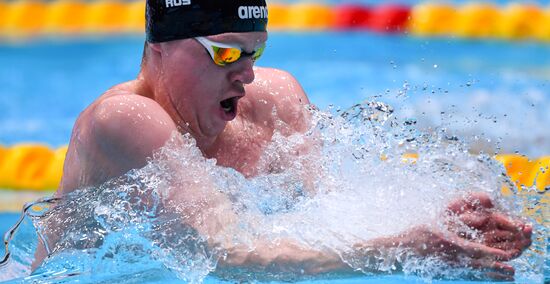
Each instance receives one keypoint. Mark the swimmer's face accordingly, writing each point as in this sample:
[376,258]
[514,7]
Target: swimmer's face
[204,95]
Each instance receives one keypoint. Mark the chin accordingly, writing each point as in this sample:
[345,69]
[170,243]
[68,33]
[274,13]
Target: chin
[215,129]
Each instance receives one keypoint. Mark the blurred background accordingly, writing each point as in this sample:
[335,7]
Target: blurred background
[479,69]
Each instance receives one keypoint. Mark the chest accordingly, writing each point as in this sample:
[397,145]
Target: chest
[241,146]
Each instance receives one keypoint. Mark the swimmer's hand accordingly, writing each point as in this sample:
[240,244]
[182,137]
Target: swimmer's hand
[423,241]
[474,218]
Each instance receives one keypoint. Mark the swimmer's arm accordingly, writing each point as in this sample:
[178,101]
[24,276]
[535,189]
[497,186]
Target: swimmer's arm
[285,257]
[113,136]
[292,104]
[279,101]
[290,258]
[283,105]
[293,259]
[129,128]
[117,135]
[211,214]
[215,216]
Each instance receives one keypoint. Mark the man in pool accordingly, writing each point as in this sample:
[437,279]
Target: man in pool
[198,77]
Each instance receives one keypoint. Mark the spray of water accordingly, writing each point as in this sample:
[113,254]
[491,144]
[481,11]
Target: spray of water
[343,182]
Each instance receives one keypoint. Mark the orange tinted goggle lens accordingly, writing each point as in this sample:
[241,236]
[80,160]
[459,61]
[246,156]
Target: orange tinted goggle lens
[223,56]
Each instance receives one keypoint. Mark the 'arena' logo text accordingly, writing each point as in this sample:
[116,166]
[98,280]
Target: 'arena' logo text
[175,3]
[249,12]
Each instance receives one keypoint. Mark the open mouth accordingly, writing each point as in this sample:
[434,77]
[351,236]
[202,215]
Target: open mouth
[229,107]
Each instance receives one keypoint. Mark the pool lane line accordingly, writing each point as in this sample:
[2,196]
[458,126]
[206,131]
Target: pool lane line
[22,19]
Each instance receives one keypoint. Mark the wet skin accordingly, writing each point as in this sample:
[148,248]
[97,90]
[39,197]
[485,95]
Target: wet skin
[229,111]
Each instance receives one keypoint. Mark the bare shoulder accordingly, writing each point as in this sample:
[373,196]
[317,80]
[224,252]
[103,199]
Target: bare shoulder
[279,86]
[130,125]
[115,134]
[277,92]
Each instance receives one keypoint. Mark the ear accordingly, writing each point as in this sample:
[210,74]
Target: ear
[155,47]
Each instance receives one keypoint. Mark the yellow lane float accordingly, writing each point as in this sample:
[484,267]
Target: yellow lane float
[526,173]
[3,152]
[38,167]
[3,14]
[25,18]
[106,16]
[135,17]
[543,31]
[310,16]
[532,178]
[477,20]
[31,166]
[66,17]
[278,16]
[55,168]
[520,21]
[433,19]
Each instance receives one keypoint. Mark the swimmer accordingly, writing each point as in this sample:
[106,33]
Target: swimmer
[198,77]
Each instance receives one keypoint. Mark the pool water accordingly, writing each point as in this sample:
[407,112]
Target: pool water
[487,93]
[492,89]
[6,221]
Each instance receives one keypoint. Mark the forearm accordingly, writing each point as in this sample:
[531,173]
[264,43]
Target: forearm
[290,257]
[283,257]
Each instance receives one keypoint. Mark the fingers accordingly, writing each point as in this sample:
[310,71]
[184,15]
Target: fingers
[475,220]
[472,202]
[493,266]
[480,200]
[499,276]
[499,236]
[478,251]
[525,243]
[508,247]
[528,231]
[504,223]
[515,238]
[514,247]
[496,227]
[493,270]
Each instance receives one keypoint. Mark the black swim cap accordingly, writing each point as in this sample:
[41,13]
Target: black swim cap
[178,19]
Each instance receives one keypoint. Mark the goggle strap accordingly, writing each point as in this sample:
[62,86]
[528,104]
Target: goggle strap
[206,43]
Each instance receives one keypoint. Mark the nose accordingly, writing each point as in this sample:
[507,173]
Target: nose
[242,71]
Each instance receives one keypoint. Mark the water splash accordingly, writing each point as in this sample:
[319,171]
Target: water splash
[342,182]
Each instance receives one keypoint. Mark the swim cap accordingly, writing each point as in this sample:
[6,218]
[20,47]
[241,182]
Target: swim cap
[178,19]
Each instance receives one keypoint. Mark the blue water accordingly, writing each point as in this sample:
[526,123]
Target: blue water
[44,84]
[161,276]
[6,221]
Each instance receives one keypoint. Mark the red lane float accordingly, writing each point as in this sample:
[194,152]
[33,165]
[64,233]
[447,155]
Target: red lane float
[351,17]
[390,18]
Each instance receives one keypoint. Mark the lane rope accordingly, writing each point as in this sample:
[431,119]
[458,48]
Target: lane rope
[29,166]
[515,21]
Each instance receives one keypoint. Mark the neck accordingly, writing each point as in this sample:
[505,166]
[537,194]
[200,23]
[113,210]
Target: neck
[142,86]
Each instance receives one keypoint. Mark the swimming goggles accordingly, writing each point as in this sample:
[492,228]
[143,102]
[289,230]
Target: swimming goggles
[223,54]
